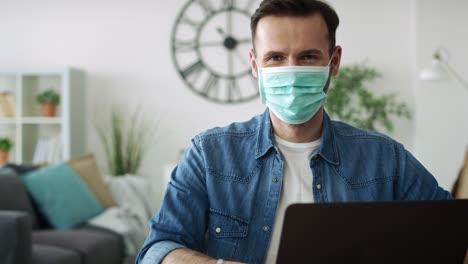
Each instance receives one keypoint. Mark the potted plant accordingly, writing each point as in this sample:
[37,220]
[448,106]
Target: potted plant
[125,137]
[5,145]
[350,100]
[49,100]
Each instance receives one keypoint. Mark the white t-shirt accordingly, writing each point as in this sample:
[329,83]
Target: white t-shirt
[297,185]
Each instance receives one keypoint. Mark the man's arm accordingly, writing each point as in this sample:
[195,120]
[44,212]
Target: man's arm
[182,218]
[188,256]
[415,181]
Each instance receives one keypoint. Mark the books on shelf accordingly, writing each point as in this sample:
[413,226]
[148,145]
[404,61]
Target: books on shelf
[48,150]
[7,105]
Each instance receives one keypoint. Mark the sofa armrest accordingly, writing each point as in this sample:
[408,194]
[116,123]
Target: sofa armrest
[15,234]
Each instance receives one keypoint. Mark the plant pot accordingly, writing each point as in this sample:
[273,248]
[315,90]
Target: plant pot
[3,157]
[48,110]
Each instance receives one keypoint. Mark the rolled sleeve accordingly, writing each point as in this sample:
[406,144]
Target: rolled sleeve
[182,218]
[416,182]
[158,251]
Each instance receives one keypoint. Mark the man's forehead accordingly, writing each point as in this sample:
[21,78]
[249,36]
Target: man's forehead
[276,24]
[276,30]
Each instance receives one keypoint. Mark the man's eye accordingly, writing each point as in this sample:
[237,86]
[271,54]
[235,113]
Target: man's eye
[310,57]
[275,58]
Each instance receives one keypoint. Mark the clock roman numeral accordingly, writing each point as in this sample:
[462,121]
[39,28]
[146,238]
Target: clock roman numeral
[185,46]
[194,70]
[206,6]
[233,90]
[210,84]
[191,22]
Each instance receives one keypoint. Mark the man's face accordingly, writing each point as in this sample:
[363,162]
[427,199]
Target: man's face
[293,41]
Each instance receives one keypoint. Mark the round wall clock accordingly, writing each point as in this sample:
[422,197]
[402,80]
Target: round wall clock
[210,44]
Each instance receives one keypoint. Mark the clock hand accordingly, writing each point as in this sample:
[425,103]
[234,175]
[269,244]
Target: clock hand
[230,64]
[211,43]
[229,22]
[221,32]
[230,43]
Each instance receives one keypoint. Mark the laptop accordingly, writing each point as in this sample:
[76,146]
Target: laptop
[375,232]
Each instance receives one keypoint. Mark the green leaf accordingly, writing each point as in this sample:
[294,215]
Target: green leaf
[5,144]
[126,141]
[48,97]
[350,100]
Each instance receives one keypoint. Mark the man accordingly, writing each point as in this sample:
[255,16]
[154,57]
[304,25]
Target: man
[227,197]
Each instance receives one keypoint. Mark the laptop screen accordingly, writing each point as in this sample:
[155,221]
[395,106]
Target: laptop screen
[375,232]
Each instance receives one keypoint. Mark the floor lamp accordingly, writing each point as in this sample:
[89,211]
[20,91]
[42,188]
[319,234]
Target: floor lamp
[440,69]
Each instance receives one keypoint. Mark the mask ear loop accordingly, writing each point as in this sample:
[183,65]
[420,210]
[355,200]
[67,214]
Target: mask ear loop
[259,78]
[329,69]
[331,57]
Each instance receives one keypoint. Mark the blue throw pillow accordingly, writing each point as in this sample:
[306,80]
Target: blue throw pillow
[61,196]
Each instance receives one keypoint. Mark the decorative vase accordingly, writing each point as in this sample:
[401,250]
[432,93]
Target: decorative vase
[3,157]
[48,110]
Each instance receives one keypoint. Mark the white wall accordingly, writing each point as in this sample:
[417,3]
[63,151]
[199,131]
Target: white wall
[124,47]
[442,107]
[377,33]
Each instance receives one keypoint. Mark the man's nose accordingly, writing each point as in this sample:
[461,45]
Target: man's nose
[292,61]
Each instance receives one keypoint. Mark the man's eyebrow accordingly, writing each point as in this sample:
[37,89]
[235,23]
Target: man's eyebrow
[272,53]
[311,51]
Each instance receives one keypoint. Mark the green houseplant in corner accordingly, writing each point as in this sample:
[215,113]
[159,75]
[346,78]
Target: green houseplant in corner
[350,100]
[125,139]
[49,100]
[5,146]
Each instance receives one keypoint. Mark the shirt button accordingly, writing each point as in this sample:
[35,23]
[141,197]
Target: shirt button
[266,228]
[275,180]
[218,230]
[319,186]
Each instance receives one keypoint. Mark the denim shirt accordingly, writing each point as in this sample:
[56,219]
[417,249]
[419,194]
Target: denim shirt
[223,195]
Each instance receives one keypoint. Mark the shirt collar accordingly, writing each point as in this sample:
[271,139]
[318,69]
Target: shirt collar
[265,135]
[328,148]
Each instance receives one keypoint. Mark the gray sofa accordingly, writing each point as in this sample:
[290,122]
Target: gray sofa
[25,237]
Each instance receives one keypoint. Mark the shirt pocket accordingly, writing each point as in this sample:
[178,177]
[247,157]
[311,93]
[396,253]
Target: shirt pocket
[225,234]
[235,170]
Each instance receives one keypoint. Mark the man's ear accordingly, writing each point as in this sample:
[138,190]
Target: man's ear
[253,63]
[335,61]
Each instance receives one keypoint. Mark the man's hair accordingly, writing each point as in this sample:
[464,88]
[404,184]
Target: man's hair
[297,8]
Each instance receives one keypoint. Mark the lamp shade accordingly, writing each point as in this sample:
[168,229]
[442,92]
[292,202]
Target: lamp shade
[437,71]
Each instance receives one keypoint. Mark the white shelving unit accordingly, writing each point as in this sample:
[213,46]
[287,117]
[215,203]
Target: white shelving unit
[27,127]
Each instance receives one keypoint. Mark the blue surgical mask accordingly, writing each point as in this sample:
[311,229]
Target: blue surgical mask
[293,93]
